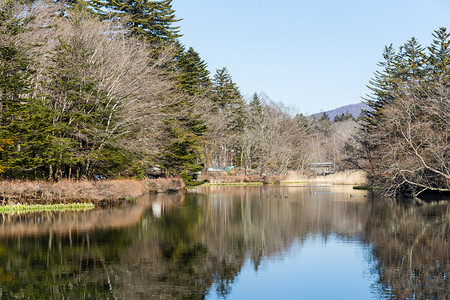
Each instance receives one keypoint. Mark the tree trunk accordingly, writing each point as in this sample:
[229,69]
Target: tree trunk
[50,172]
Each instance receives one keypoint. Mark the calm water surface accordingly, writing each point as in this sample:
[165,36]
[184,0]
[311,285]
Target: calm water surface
[270,242]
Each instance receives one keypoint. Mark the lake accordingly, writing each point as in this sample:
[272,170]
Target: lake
[291,241]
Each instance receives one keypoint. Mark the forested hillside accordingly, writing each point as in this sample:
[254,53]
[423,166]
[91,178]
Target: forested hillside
[353,110]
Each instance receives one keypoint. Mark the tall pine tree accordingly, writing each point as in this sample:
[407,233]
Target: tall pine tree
[225,90]
[81,112]
[155,20]
[20,114]
[192,74]
[401,72]
[439,57]
[185,126]
[227,96]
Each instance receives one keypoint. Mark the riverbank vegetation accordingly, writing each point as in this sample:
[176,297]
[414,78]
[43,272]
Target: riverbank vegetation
[94,88]
[347,177]
[404,140]
[96,192]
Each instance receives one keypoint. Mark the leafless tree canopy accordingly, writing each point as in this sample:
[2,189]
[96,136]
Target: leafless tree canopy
[412,142]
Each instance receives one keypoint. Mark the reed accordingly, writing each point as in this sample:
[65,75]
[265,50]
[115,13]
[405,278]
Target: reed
[227,179]
[348,177]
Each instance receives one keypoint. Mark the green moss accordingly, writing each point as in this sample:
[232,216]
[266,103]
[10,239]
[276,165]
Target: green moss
[20,209]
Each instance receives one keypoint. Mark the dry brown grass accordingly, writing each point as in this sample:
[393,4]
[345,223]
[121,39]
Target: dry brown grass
[83,191]
[164,185]
[350,177]
[223,178]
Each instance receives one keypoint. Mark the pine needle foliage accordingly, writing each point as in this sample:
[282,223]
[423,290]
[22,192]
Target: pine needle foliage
[154,20]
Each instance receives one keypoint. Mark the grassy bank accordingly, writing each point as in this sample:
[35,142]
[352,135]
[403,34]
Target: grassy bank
[23,209]
[67,191]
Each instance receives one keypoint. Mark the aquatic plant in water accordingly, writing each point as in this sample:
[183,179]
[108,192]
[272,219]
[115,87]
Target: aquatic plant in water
[26,208]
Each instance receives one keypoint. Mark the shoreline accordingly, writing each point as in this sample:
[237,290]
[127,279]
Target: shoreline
[106,192]
[348,177]
[95,192]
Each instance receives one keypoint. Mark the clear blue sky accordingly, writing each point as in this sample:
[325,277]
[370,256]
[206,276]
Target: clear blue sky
[315,55]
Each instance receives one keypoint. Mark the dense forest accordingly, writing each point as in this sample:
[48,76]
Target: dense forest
[106,87]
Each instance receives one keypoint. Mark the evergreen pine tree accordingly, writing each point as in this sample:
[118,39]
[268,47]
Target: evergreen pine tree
[152,19]
[256,105]
[225,90]
[185,127]
[255,112]
[401,73]
[181,155]
[304,123]
[192,74]
[80,112]
[20,114]
[383,87]
[439,57]
[411,65]
[227,96]
[343,117]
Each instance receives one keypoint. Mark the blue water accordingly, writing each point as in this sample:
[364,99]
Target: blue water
[269,242]
[334,268]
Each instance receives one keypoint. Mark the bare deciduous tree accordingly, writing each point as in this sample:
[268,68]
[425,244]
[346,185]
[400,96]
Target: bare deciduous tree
[410,149]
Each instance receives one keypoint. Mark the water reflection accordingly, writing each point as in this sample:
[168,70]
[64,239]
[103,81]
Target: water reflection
[411,245]
[191,246]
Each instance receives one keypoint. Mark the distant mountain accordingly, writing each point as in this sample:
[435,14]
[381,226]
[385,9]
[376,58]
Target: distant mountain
[353,109]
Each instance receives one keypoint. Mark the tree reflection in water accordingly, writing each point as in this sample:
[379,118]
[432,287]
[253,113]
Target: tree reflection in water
[411,245]
[182,246]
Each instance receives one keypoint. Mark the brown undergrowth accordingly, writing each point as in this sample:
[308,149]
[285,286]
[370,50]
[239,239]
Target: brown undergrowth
[63,191]
[348,177]
[220,178]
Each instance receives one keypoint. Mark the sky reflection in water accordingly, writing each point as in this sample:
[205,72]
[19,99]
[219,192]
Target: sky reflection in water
[319,268]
